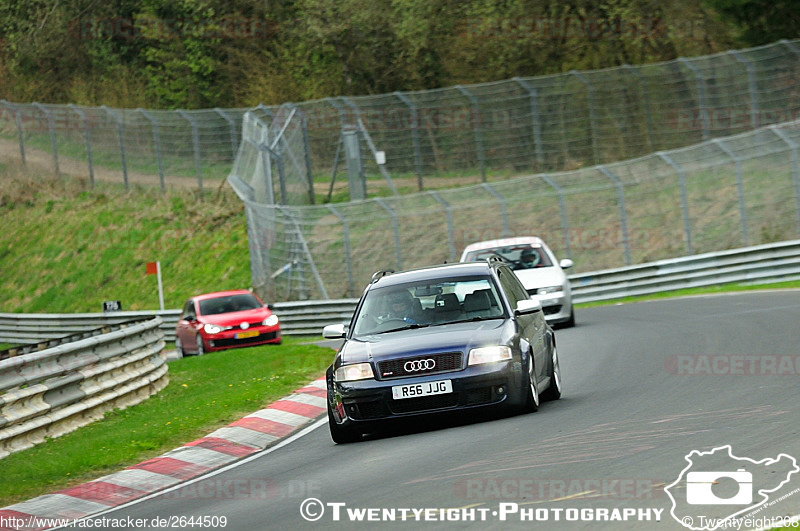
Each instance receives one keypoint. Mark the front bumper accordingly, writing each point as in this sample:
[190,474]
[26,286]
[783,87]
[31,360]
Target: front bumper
[557,307]
[478,386]
[228,338]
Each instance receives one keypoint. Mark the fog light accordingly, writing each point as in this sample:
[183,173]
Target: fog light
[501,390]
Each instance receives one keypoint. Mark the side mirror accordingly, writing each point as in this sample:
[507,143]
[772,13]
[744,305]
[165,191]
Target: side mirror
[528,306]
[334,331]
[566,263]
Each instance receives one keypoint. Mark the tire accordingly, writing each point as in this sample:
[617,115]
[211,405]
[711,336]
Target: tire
[554,391]
[532,399]
[179,347]
[200,348]
[341,434]
[569,323]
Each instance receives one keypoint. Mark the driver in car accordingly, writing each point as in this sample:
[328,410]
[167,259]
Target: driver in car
[529,258]
[401,306]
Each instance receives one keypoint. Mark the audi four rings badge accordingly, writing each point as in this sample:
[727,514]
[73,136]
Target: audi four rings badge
[419,365]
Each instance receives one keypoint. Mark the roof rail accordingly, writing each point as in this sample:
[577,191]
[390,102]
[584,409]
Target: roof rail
[380,274]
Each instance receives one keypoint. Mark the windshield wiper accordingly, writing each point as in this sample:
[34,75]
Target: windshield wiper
[475,319]
[406,327]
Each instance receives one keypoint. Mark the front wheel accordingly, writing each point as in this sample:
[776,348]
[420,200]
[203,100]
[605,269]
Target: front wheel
[554,391]
[179,347]
[532,393]
[341,434]
[200,349]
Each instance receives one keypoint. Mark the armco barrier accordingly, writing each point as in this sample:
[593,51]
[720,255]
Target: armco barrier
[760,264]
[56,390]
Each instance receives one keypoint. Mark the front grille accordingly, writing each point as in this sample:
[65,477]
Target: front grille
[245,341]
[423,403]
[448,362]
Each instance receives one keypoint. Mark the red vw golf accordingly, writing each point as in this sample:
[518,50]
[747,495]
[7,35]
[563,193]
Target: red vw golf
[225,319]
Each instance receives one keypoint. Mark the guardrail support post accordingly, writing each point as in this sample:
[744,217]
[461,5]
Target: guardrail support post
[157,145]
[739,187]
[196,145]
[536,122]
[687,224]
[592,115]
[52,129]
[623,217]
[503,208]
[449,215]
[476,117]
[115,116]
[18,120]
[414,135]
[562,206]
[795,168]
[395,229]
[701,95]
[347,259]
[87,139]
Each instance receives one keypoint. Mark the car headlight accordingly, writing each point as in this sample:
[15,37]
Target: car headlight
[272,320]
[356,371]
[550,289]
[212,328]
[489,355]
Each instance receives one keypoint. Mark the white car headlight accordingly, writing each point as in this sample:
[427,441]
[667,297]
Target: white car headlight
[272,320]
[356,371]
[550,289]
[212,328]
[489,355]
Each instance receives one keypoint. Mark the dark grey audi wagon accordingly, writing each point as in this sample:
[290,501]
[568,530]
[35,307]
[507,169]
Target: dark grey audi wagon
[436,340]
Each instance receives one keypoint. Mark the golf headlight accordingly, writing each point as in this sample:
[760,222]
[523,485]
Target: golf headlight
[212,328]
[489,355]
[356,371]
[272,320]
[550,289]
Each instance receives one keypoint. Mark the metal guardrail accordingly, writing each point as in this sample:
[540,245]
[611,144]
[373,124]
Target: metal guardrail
[759,264]
[58,389]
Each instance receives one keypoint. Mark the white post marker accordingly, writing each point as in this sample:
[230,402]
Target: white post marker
[154,268]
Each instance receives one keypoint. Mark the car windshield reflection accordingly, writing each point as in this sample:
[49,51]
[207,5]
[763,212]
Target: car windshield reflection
[419,305]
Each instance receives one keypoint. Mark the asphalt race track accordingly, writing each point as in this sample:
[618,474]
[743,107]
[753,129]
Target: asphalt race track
[645,384]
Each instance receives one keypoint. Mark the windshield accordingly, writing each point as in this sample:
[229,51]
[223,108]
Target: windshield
[229,303]
[518,257]
[427,303]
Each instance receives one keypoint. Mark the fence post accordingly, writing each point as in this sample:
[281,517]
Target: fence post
[701,95]
[87,139]
[795,168]
[52,129]
[645,95]
[755,121]
[232,128]
[115,116]
[347,259]
[339,145]
[503,209]
[449,216]
[18,120]
[196,145]
[266,164]
[395,229]
[592,116]
[533,96]
[368,139]
[623,217]
[476,117]
[157,145]
[687,223]
[739,186]
[414,135]
[307,154]
[562,206]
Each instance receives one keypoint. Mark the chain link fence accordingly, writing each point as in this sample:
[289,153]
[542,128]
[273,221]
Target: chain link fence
[719,194]
[431,139]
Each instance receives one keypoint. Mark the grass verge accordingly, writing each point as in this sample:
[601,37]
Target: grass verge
[204,393]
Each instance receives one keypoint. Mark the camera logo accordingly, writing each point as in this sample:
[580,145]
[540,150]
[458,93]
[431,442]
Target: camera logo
[699,488]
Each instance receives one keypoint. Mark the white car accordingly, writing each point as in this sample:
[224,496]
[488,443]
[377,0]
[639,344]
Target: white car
[537,268]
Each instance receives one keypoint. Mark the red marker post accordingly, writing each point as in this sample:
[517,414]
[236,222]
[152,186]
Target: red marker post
[154,268]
